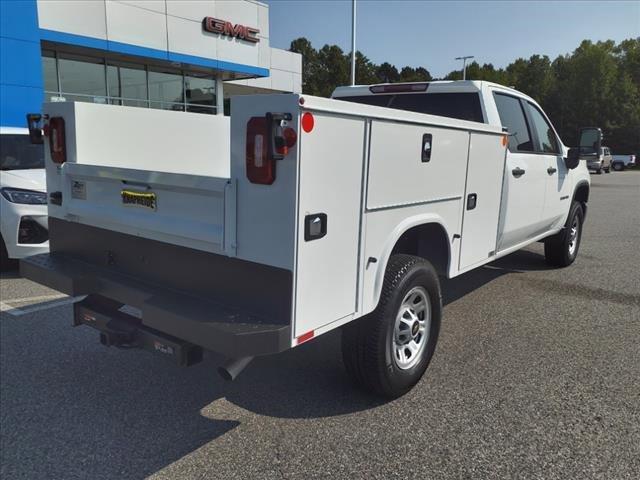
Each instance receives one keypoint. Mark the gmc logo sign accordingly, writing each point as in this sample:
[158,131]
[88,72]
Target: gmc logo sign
[228,29]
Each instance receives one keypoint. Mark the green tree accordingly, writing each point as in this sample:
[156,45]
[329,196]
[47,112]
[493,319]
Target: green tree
[365,70]
[333,70]
[310,64]
[387,73]
[410,74]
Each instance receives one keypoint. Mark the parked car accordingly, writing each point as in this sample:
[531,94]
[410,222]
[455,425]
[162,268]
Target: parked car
[600,162]
[333,213]
[23,198]
[622,162]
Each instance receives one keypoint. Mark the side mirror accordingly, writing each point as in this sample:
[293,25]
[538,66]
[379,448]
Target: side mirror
[590,141]
[35,131]
[573,158]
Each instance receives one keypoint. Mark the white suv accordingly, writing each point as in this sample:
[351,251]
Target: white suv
[23,198]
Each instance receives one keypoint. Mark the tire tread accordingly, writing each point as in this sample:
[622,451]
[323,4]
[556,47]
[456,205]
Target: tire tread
[361,345]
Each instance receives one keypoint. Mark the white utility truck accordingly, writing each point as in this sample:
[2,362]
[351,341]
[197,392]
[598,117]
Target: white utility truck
[330,213]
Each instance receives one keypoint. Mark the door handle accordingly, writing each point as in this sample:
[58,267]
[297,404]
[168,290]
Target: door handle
[518,172]
[551,170]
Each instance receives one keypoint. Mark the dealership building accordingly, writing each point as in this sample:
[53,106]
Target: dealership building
[180,55]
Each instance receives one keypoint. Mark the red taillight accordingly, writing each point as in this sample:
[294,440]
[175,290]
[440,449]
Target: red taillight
[57,145]
[399,87]
[261,167]
[268,140]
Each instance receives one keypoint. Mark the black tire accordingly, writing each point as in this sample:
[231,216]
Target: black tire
[599,171]
[368,344]
[607,170]
[558,250]
[618,167]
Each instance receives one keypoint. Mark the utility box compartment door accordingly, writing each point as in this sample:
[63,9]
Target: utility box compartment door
[329,211]
[481,202]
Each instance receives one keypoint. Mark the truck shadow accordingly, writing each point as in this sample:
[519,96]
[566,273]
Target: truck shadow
[310,381]
[518,262]
[72,408]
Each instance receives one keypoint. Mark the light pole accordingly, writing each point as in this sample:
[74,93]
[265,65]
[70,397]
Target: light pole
[353,42]
[464,65]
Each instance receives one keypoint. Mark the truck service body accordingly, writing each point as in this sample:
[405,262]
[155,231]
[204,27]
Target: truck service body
[327,211]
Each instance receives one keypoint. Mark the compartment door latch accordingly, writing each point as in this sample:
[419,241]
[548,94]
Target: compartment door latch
[315,226]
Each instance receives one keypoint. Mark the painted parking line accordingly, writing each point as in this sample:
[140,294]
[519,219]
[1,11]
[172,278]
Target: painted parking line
[45,302]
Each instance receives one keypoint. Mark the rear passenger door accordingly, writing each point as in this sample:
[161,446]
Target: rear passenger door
[525,176]
[547,147]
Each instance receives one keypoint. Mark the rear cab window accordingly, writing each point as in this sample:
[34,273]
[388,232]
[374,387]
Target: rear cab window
[459,105]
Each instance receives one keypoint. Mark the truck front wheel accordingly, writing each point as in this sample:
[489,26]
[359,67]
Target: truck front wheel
[561,249]
[388,351]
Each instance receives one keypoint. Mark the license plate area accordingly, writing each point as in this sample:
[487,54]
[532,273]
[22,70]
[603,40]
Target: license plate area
[136,198]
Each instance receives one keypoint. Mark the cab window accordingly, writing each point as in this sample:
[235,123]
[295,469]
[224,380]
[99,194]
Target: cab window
[513,118]
[547,140]
[461,105]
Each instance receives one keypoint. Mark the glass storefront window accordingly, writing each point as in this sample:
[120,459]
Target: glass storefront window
[49,72]
[77,78]
[200,90]
[127,84]
[84,76]
[166,90]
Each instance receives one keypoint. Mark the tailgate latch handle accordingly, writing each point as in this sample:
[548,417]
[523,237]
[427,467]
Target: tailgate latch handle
[276,141]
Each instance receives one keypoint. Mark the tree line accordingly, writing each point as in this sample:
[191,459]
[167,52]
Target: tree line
[598,84]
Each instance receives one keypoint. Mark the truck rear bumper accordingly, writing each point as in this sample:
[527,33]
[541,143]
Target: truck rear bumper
[219,328]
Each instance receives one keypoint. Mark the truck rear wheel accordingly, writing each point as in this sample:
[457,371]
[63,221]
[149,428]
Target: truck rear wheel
[561,249]
[388,351]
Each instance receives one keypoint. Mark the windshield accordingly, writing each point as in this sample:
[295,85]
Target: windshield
[463,106]
[18,153]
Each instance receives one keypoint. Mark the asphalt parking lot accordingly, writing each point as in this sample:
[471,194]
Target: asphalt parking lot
[536,375]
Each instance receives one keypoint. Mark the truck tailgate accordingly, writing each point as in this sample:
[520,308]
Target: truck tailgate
[186,210]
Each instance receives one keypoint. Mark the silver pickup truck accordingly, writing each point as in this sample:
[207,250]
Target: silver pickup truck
[600,162]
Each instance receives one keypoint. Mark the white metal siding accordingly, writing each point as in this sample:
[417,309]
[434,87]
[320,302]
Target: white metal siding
[79,17]
[137,26]
[176,26]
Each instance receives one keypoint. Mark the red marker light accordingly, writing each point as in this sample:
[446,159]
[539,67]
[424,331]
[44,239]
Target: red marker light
[308,122]
[305,337]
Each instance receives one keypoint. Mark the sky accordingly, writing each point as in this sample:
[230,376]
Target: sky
[432,33]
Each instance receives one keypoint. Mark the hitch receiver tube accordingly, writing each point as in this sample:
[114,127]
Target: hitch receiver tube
[125,331]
